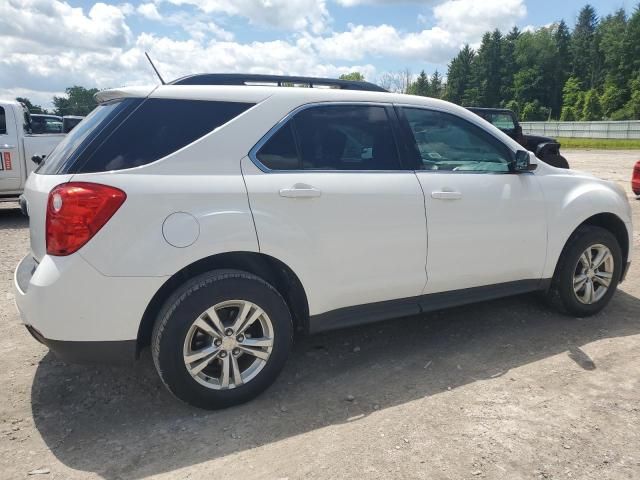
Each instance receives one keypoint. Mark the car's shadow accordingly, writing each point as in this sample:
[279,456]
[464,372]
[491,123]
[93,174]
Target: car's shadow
[91,416]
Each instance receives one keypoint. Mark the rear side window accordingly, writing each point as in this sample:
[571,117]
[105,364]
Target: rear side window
[135,132]
[333,137]
[157,128]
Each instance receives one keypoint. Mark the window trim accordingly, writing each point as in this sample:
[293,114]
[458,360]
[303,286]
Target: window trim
[410,138]
[393,122]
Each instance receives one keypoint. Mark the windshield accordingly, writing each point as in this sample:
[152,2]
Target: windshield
[81,136]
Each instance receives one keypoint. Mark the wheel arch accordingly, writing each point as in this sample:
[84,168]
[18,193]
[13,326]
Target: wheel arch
[610,222]
[270,269]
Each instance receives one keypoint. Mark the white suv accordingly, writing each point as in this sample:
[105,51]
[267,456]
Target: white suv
[212,217]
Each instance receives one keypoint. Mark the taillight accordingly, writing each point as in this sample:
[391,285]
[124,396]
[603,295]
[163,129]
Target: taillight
[76,211]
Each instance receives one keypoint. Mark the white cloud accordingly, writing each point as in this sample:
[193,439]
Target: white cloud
[352,3]
[55,23]
[434,45]
[149,10]
[285,14]
[471,18]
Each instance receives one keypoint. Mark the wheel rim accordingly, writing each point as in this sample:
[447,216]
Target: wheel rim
[228,344]
[593,274]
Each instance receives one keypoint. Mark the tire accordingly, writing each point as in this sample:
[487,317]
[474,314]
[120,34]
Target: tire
[556,161]
[176,339]
[571,265]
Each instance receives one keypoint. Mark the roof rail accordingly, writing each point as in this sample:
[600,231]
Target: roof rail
[279,80]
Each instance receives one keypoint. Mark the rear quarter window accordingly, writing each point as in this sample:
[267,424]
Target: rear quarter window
[157,128]
[3,122]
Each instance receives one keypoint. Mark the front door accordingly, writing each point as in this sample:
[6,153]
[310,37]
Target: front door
[486,224]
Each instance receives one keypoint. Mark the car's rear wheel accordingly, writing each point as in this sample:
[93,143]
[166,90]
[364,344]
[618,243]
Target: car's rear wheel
[587,273]
[221,339]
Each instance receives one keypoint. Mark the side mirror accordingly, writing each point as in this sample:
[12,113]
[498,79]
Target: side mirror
[523,162]
[38,159]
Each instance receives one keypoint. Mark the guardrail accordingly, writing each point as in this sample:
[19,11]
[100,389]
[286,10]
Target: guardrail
[606,129]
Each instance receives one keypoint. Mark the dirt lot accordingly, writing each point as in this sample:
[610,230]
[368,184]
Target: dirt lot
[500,390]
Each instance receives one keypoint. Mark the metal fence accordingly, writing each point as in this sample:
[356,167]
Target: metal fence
[627,129]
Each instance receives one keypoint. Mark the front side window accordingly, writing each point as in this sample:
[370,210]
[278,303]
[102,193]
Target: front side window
[447,142]
[333,137]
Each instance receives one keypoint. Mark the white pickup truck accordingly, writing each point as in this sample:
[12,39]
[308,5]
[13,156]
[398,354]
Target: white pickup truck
[17,148]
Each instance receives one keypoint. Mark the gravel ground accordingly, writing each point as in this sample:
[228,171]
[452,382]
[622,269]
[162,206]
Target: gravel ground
[501,390]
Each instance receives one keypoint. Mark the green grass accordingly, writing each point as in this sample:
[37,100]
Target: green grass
[600,143]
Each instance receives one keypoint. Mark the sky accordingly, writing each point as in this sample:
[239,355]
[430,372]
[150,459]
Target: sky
[48,45]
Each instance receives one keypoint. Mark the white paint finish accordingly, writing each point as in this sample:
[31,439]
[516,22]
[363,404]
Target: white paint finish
[362,240]
[68,300]
[132,244]
[181,229]
[492,231]
[571,197]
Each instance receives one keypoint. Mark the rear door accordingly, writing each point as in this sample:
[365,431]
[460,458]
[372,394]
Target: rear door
[10,165]
[486,224]
[331,199]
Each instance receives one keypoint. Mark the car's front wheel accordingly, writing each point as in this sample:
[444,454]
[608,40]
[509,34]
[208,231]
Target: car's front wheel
[587,273]
[221,339]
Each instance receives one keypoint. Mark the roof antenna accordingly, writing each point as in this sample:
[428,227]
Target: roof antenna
[155,69]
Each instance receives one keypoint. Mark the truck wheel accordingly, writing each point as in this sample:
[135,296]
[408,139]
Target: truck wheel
[587,273]
[556,160]
[221,339]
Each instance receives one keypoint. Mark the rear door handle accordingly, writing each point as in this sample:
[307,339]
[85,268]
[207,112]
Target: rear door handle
[6,146]
[446,195]
[300,191]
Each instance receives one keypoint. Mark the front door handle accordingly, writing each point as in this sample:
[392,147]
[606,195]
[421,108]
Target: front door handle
[300,191]
[6,146]
[446,195]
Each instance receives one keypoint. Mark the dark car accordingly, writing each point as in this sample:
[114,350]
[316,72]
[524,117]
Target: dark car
[545,148]
[42,123]
[69,122]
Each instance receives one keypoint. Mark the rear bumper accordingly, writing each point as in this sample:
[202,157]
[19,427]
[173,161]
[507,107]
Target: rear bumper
[80,314]
[115,352]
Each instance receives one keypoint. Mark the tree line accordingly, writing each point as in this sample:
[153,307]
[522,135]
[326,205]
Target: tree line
[590,73]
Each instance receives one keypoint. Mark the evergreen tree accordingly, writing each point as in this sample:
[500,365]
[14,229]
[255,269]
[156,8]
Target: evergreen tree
[630,51]
[536,57]
[583,47]
[562,37]
[611,32]
[509,66]
[459,77]
[420,86]
[488,69]
[436,86]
